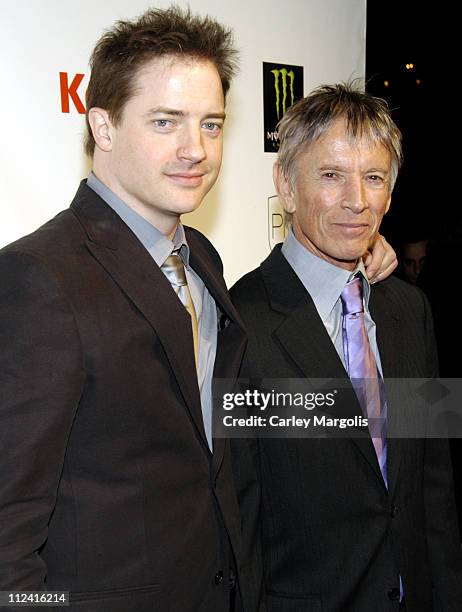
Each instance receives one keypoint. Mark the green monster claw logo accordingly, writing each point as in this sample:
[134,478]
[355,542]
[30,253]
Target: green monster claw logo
[282,87]
[284,74]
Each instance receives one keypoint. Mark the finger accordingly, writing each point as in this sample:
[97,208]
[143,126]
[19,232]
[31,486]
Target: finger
[367,258]
[384,273]
[374,262]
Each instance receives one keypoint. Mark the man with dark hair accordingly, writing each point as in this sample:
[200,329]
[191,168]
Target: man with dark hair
[412,253]
[113,320]
[128,46]
[111,487]
[356,523]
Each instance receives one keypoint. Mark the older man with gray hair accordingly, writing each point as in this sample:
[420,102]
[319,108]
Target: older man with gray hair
[351,524]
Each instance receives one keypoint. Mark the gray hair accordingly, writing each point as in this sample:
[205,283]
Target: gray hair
[309,118]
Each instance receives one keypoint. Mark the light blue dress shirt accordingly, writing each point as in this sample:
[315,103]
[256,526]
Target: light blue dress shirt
[325,282]
[160,247]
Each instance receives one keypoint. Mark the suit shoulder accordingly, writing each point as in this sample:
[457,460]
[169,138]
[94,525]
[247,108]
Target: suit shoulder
[53,238]
[52,253]
[195,235]
[249,289]
[402,293]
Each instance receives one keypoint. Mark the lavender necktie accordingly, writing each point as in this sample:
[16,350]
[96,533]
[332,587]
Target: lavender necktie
[362,368]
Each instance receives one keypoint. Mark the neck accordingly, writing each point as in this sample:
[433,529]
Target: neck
[166,224]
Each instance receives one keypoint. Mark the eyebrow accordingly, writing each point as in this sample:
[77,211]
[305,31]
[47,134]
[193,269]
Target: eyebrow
[340,168]
[163,110]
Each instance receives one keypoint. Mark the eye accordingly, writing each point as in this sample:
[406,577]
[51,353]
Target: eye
[211,126]
[329,175]
[375,178]
[163,123]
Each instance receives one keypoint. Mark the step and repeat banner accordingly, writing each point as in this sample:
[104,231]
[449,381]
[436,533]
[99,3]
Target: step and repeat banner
[286,49]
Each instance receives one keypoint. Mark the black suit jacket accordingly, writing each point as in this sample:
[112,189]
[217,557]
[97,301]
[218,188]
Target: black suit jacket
[108,488]
[334,539]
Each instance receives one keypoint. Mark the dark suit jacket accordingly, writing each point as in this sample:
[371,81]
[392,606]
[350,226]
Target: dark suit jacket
[107,486]
[333,538]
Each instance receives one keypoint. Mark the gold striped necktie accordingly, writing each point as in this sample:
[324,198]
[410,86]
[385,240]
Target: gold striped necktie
[173,269]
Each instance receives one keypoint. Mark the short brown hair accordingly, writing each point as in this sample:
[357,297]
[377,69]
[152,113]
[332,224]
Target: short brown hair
[129,45]
[310,117]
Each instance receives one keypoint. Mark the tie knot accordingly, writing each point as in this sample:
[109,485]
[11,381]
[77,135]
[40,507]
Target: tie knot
[173,269]
[352,297]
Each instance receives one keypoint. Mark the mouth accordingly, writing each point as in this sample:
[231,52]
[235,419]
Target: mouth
[187,179]
[353,229]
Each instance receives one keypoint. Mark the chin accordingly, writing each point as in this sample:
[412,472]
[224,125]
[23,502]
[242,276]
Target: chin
[349,259]
[354,253]
[188,207]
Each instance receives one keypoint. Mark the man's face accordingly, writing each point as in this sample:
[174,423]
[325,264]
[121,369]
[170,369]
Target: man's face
[341,192]
[166,151]
[413,259]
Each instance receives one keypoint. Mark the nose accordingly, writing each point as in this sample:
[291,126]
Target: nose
[355,194]
[191,147]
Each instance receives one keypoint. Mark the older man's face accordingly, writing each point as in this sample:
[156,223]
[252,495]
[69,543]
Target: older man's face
[340,194]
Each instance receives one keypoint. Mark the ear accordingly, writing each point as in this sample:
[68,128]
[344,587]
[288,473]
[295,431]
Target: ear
[284,188]
[101,128]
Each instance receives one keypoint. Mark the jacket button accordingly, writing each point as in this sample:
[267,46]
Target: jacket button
[394,594]
[393,510]
[219,577]
[232,579]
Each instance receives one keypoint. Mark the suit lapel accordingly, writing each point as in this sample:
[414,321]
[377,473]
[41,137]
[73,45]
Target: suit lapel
[231,338]
[390,343]
[124,258]
[304,338]
[200,262]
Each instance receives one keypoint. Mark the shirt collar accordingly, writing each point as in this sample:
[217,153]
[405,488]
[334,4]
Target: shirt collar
[323,281]
[158,245]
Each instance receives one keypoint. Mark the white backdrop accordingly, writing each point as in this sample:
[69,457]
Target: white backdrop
[41,154]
